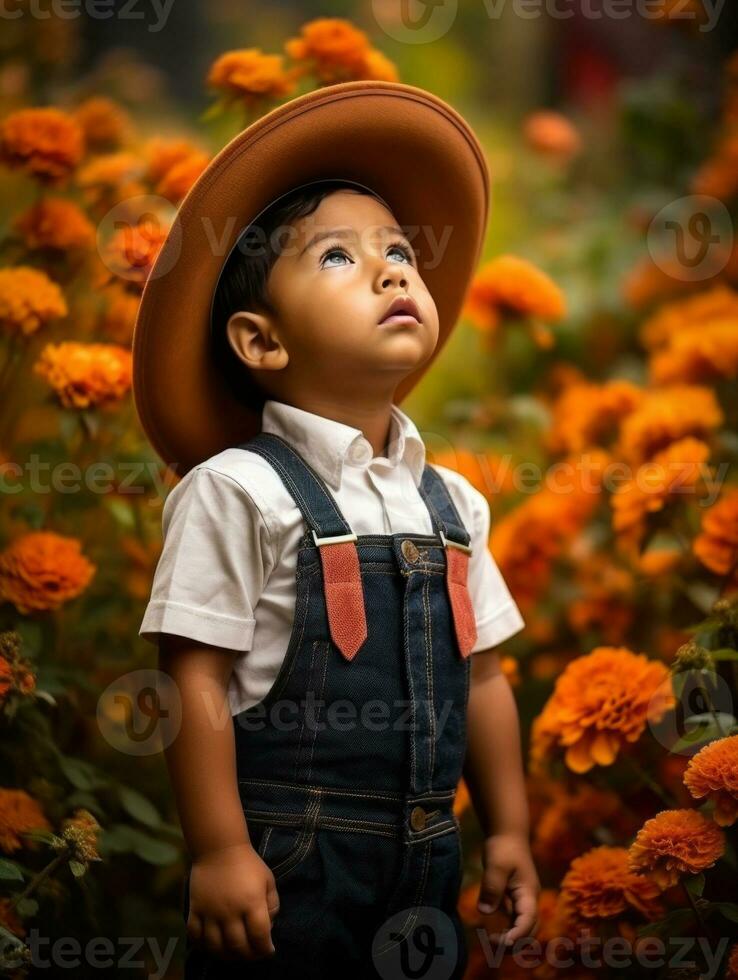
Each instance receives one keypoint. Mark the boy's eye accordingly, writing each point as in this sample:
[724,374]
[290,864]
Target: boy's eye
[403,250]
[394,247]
[332,251]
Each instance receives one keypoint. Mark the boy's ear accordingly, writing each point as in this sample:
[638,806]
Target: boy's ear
[254,339]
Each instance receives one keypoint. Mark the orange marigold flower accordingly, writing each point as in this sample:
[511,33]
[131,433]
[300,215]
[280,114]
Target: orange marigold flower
[526,540]
[713,772]
[666,415]
[57,224]
[600,885]
[698,355]
[718,303]
[509,286]
[552,135]
[131,252]
[670,475]
[162,154]
[694,339]
[605,600]
[111,178]
[659,560]
[120,316]
[587,413]
[676,842]
[570,820]
[106,123]
[85,374]
[80,833]
[716,545]
[41,570]
[19,813]
[334,50]
[47,143]
[601,702]
[250,76]
[29,299]
[177,181]
[489,473]
[379,68]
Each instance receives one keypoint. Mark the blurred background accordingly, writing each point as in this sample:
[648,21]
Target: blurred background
[589,392]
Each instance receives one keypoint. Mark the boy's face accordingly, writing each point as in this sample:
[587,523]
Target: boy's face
[330,296]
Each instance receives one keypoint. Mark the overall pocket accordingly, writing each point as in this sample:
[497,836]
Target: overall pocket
[282,846]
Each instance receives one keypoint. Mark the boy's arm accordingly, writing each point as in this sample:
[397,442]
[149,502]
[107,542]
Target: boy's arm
[493,769]
[232,892]
[200,751]
[494,775]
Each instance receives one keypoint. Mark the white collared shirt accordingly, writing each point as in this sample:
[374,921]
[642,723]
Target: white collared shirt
[226,573]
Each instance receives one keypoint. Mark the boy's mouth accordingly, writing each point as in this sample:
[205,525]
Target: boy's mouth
[401,309]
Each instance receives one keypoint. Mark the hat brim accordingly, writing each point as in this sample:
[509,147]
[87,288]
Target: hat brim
[403,142]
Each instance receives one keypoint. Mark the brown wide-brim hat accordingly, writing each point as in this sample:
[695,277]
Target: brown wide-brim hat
[404,143]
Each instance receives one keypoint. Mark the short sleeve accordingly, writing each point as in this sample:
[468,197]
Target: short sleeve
[496,612]
[216,556]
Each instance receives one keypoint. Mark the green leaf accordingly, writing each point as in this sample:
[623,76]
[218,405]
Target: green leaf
[124,839]
[156,851]
[695,885]
[213,111]
[27,907]
[10,871]
[80,774]
[139,807]
[671,925]
[122,512]
[725,654]
[704,728]
[77,868]
[727,909]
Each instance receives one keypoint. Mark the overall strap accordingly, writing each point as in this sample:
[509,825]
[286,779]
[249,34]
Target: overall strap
[443,512]
[336,542]
[455,538]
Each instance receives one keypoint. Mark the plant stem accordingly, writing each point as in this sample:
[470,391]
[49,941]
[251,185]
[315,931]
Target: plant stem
[693,904]
[651,782]
[37,879]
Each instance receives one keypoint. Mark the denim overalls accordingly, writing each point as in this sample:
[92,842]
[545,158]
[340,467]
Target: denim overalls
[348,768]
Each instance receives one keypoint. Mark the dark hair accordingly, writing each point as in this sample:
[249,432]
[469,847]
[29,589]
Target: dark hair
[243,279]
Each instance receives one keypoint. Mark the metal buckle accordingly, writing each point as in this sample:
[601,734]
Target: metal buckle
[455,544]
[334,540]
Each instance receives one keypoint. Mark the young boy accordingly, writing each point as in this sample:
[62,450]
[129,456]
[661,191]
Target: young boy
[322,588]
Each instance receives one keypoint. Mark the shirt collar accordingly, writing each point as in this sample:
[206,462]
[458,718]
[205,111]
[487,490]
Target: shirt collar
[328,445]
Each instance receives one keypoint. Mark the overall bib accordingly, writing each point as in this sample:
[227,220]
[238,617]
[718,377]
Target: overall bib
[348,767]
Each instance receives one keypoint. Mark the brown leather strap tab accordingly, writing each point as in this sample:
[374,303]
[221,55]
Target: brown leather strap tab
[344,596]
[465,624]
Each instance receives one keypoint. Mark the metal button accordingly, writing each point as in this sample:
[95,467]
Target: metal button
[409,550]
[418,817]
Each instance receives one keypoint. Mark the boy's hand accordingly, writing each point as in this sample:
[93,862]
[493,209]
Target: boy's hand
[510,876]
[233,900]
